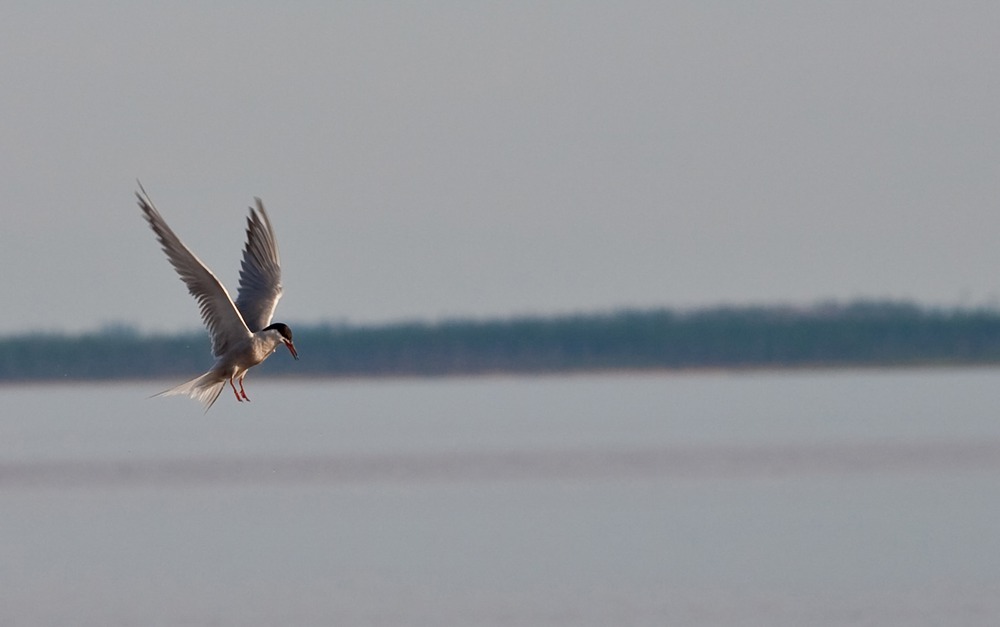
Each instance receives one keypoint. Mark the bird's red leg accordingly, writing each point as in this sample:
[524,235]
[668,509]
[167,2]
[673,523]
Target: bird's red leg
[233,385]
[241,388]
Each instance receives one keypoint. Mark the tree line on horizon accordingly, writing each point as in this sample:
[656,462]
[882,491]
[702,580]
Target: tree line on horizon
[857,334]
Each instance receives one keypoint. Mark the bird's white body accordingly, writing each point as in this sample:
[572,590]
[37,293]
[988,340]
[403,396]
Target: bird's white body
[242,333]
[234,365]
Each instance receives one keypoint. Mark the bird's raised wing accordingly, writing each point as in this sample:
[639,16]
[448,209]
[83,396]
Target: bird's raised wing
[260,272]
[220,315]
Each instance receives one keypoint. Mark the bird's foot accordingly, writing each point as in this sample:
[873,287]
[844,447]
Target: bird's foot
[235,392]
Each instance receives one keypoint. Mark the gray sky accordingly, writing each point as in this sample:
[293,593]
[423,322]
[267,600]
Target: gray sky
[428,160]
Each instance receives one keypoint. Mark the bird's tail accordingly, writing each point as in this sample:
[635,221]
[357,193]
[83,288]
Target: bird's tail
[204,389]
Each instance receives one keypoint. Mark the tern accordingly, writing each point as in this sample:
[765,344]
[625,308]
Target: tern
[241,331]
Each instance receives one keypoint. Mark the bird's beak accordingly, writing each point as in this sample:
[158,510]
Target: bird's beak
[291,349]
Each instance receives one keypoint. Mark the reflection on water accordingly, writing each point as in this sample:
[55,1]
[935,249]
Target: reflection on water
[822,498]
[692,462]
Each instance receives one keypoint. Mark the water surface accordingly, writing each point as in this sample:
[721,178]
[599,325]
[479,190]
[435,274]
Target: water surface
[821,498]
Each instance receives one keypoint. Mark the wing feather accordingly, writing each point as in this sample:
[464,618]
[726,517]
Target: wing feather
[220,315]
[260,271]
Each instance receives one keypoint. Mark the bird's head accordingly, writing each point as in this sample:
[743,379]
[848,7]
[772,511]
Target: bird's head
[286,336]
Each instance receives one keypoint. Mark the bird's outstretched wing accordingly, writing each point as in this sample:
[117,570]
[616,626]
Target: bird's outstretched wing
[220,315]
[260,272]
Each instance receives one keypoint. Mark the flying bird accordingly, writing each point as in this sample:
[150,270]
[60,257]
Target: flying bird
[242,333]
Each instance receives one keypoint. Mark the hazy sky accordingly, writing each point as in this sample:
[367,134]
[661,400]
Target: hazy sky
[428,160]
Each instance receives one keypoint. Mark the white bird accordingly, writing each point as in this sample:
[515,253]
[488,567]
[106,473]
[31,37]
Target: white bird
[242,333]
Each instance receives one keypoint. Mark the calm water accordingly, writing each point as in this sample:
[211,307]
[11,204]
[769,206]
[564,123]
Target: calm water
[809,498]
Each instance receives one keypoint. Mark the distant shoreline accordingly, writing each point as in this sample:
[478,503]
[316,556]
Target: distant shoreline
[861,335]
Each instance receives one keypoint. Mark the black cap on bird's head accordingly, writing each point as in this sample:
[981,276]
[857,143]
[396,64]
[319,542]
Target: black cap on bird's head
[286,336]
